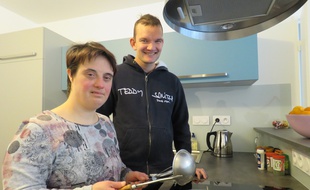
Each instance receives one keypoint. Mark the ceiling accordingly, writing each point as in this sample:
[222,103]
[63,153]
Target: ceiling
[43,11]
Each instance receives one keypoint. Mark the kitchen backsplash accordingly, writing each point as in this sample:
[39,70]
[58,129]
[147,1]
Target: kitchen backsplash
[248,106]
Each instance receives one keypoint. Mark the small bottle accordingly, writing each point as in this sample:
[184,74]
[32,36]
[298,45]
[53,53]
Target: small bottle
[194,142]
[260,159]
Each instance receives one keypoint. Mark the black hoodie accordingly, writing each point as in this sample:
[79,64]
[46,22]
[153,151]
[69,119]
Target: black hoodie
[149,113]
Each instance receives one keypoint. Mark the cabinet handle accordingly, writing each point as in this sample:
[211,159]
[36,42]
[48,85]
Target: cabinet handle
[18,56]
[203,76]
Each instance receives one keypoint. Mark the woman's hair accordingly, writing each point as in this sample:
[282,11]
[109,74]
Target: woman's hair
[81,53]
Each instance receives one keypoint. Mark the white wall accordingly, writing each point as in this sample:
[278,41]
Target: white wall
[98,27]
[284,53]
[10,22]
[106,26]
[305,18]
[278,56]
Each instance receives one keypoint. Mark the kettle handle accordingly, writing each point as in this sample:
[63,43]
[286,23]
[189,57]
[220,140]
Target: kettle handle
[208,140]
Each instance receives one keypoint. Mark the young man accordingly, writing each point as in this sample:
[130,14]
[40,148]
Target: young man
[148,105]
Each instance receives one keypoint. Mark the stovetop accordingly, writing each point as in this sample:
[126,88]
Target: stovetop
[215,185]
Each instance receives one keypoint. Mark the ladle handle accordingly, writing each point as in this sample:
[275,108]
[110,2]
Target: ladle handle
[134,186]
[126,187]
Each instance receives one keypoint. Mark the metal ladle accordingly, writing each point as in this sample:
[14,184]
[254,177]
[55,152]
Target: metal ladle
[183,171]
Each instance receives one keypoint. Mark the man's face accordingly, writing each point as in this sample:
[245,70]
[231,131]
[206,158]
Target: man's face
[147,43]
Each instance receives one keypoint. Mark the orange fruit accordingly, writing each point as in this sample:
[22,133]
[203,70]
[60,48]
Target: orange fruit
[306,112]
[307,109]
[297,110]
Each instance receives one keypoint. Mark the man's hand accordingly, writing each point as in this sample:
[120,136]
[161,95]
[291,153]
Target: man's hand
[201,175]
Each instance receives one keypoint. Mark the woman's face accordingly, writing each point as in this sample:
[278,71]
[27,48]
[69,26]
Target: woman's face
[91,86]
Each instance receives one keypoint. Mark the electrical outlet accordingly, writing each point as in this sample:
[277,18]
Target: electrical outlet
[224,119]
[301,161]
[201,120]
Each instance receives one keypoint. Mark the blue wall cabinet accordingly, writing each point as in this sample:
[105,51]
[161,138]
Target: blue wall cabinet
[231,62]
[201,62]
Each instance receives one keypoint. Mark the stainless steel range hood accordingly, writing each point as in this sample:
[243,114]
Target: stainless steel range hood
[226,19]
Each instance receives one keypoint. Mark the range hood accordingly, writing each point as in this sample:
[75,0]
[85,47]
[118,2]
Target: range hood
[226,19]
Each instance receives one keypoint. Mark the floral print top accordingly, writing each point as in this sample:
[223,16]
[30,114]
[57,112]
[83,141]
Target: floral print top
[49,152]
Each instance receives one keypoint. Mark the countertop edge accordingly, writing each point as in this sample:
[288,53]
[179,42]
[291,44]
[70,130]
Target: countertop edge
[286,135]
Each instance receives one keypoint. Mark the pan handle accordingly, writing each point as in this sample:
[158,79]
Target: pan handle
[134,186]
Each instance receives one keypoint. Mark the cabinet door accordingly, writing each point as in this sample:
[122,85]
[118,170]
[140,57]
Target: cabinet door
[237,58]
[21,45]
[20,96]
[21,92]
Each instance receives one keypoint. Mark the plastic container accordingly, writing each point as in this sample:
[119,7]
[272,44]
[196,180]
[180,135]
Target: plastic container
[278,164]
[260,159]
[194,142]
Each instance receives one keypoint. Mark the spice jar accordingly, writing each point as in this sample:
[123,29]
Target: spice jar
[269,161]
[278,164]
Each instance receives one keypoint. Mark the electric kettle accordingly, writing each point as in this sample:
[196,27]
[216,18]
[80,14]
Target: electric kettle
[222,146]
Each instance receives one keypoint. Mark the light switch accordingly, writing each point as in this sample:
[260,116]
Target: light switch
[201,120]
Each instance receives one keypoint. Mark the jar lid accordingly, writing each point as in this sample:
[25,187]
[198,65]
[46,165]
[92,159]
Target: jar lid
[260,150]
[269,149]
[271,153]
[278,156]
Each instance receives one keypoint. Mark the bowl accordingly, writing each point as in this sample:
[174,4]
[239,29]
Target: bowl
[300,123]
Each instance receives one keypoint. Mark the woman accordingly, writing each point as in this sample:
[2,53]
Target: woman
[72,146]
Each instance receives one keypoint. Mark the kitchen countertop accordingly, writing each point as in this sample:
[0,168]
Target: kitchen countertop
[240,169]
[287,135]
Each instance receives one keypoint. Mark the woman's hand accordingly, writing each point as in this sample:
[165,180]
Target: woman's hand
[135,177]
[132,177]
[108,185]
